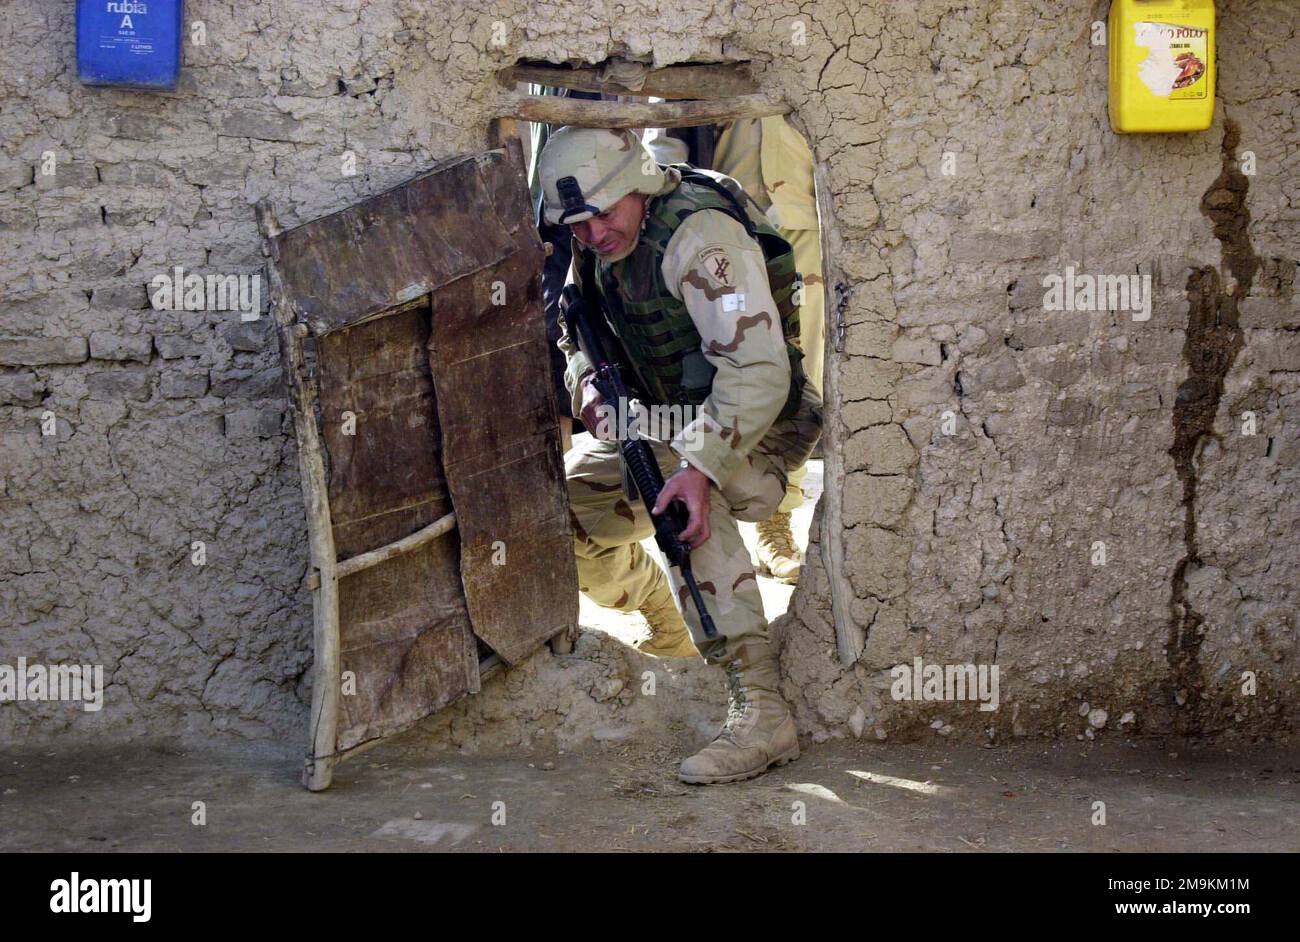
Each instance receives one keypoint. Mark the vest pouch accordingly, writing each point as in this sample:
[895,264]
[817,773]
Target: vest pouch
[659,337]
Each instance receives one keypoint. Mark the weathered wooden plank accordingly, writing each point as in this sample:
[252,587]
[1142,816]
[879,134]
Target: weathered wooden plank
[406,637]
[501,454]
[630,114]
[404,630]
[712,80]
[517,560]
[318,769]
[384,460]
[397,246]
[507,180]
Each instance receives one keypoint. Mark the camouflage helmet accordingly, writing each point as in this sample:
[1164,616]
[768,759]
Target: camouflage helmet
[585,171]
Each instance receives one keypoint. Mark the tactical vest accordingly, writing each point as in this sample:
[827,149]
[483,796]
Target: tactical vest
[661,341]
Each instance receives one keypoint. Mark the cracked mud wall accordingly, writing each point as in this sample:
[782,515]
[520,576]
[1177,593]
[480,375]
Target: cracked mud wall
[172,426]
[1068,428]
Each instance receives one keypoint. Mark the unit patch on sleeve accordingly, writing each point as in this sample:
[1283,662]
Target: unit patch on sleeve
[718,266]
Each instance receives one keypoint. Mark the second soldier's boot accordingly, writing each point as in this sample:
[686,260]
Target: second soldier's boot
[759,731]
[668,634]
[778,556]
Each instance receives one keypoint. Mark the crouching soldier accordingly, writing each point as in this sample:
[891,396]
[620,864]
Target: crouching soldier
[701,295]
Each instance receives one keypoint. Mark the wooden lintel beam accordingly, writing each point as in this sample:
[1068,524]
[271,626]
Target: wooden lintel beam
[627,114]
[716,80]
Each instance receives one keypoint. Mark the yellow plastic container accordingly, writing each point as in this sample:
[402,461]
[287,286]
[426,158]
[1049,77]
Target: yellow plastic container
[1161,65]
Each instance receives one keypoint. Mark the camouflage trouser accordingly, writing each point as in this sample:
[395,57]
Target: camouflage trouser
[616,572]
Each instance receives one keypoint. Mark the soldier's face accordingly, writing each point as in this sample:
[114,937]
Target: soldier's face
[613,233]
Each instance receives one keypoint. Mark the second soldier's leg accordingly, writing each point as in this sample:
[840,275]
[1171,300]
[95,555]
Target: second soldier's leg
[613,568]
[793,499]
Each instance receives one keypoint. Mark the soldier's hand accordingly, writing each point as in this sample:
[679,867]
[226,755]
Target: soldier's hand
[691,487]
[591,403]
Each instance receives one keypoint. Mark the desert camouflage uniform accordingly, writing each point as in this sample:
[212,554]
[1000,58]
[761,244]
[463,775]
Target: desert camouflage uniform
[737,440]
[774,164]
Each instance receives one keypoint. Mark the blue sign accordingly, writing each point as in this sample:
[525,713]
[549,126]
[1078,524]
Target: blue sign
[133,43]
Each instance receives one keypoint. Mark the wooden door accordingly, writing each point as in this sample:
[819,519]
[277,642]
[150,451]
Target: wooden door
[414,346]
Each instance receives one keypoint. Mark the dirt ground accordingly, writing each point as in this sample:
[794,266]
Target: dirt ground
[854,797]
[415,793]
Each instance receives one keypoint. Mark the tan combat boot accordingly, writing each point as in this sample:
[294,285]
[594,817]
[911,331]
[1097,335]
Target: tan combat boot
[778,556]
[759,731]
[668,634]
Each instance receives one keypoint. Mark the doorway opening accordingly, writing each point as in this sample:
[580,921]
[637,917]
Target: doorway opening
[713,118]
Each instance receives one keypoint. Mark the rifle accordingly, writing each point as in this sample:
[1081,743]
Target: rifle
[637,455]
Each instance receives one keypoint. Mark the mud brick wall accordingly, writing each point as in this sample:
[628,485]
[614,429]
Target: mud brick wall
[980,446]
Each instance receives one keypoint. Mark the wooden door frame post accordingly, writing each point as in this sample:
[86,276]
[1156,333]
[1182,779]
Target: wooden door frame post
[318,770]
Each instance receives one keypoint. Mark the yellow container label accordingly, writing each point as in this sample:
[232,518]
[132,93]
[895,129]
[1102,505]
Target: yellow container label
[1161,65]
[1175,64]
